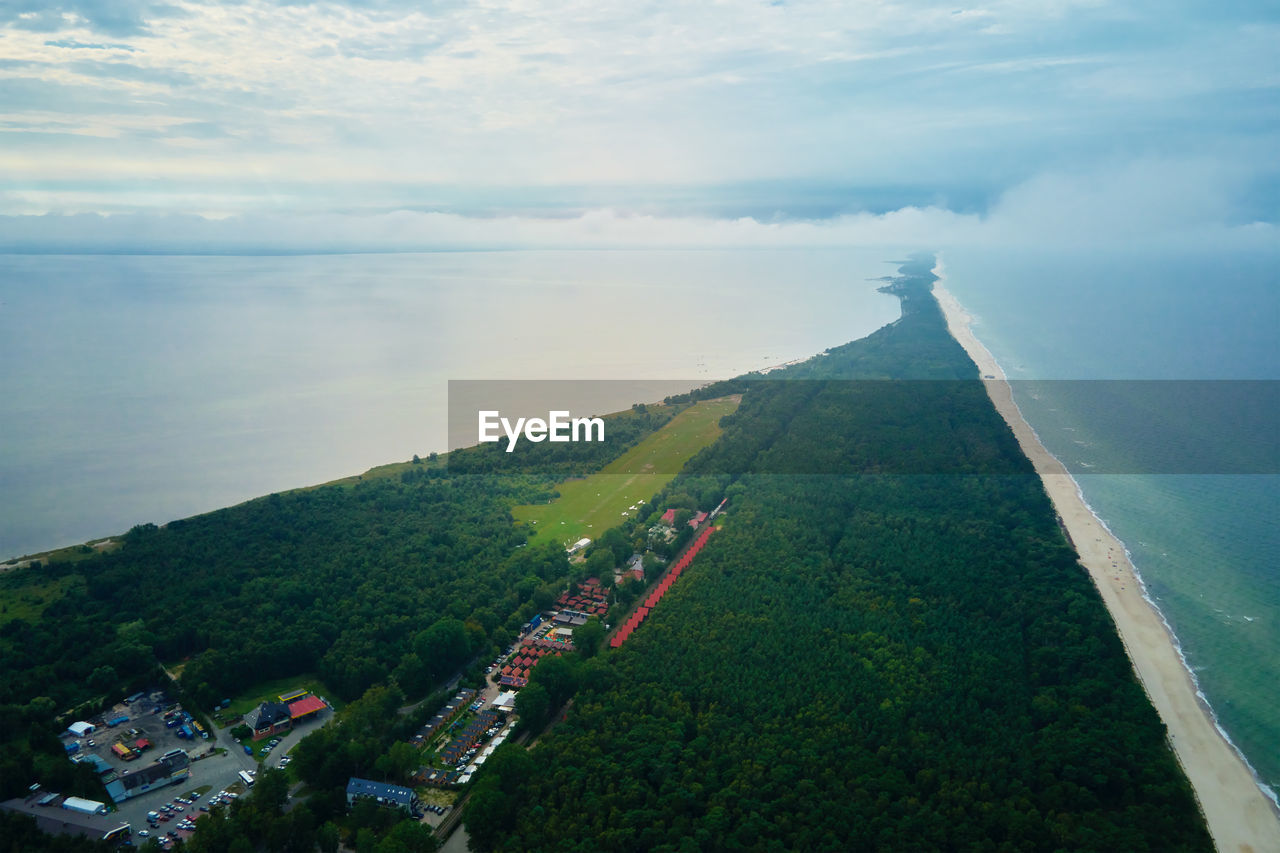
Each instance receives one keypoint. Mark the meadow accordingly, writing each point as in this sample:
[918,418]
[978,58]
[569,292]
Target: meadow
[590,505]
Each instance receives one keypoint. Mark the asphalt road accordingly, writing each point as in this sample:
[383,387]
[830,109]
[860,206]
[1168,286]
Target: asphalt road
[216,771]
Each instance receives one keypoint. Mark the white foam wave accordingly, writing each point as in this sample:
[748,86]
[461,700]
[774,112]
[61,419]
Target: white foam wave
[1266,789]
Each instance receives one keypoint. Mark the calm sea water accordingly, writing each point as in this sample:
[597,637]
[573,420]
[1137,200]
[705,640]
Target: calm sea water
[150,388]
[1206,544]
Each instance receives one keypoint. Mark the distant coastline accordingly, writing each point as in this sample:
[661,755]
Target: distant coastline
[1241,811]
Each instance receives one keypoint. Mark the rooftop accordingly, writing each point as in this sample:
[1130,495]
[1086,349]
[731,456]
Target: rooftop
[393,793]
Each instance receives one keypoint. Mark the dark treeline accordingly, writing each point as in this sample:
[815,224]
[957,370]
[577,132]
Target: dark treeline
[400,577]
[861,660]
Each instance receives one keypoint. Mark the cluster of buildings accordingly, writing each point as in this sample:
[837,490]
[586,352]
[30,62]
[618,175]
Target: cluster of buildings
[457,749]
[549,641]
[129,745]
[669,518]
[271,718]
[169,769]
[642,612]
[59,815]
[444,716]
[591,599]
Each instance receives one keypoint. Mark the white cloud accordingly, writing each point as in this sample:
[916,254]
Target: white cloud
[323,100]
[1147,203]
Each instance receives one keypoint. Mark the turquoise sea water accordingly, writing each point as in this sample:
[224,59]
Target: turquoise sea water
[1205,542]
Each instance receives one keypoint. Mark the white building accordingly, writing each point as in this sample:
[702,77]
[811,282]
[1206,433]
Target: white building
[83,806]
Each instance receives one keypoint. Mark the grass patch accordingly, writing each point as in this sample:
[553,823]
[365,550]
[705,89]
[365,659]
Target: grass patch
[25,595]
[591,505]
[69,554]
[270,691]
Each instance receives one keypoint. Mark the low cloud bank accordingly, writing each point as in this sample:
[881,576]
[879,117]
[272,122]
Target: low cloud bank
[1155,204]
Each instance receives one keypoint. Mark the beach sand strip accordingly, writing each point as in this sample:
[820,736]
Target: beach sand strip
[1240,816]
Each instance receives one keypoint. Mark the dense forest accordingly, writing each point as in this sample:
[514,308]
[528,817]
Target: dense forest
[890,645]
[400,576]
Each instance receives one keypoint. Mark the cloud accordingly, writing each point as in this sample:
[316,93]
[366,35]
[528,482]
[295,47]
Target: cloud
[595,104]
[128,71]
[1151,204]
[72,44]
[109,17]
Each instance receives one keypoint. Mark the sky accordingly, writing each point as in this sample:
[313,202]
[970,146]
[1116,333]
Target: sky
[392,124]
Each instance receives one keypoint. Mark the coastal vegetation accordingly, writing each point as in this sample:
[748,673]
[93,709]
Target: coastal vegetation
[402,577]
[587,507]
[890,645]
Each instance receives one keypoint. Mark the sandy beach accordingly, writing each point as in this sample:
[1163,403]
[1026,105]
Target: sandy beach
[1239,814]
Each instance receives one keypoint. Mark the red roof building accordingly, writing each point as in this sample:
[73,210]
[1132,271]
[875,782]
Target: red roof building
[305,707]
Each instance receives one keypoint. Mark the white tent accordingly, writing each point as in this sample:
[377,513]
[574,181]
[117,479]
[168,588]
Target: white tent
[80,729]
[83,806]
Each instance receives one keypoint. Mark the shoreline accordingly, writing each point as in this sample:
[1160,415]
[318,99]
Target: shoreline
[1239,813]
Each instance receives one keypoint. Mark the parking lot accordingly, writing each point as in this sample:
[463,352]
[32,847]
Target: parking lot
[216,763]
[148,726]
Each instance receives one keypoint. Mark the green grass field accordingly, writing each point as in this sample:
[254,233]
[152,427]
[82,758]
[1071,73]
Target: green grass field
[269,690]
[25,597]
[590,506]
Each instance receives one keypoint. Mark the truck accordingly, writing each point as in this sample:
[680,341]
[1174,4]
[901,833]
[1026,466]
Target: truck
[72,746]
[184,731]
